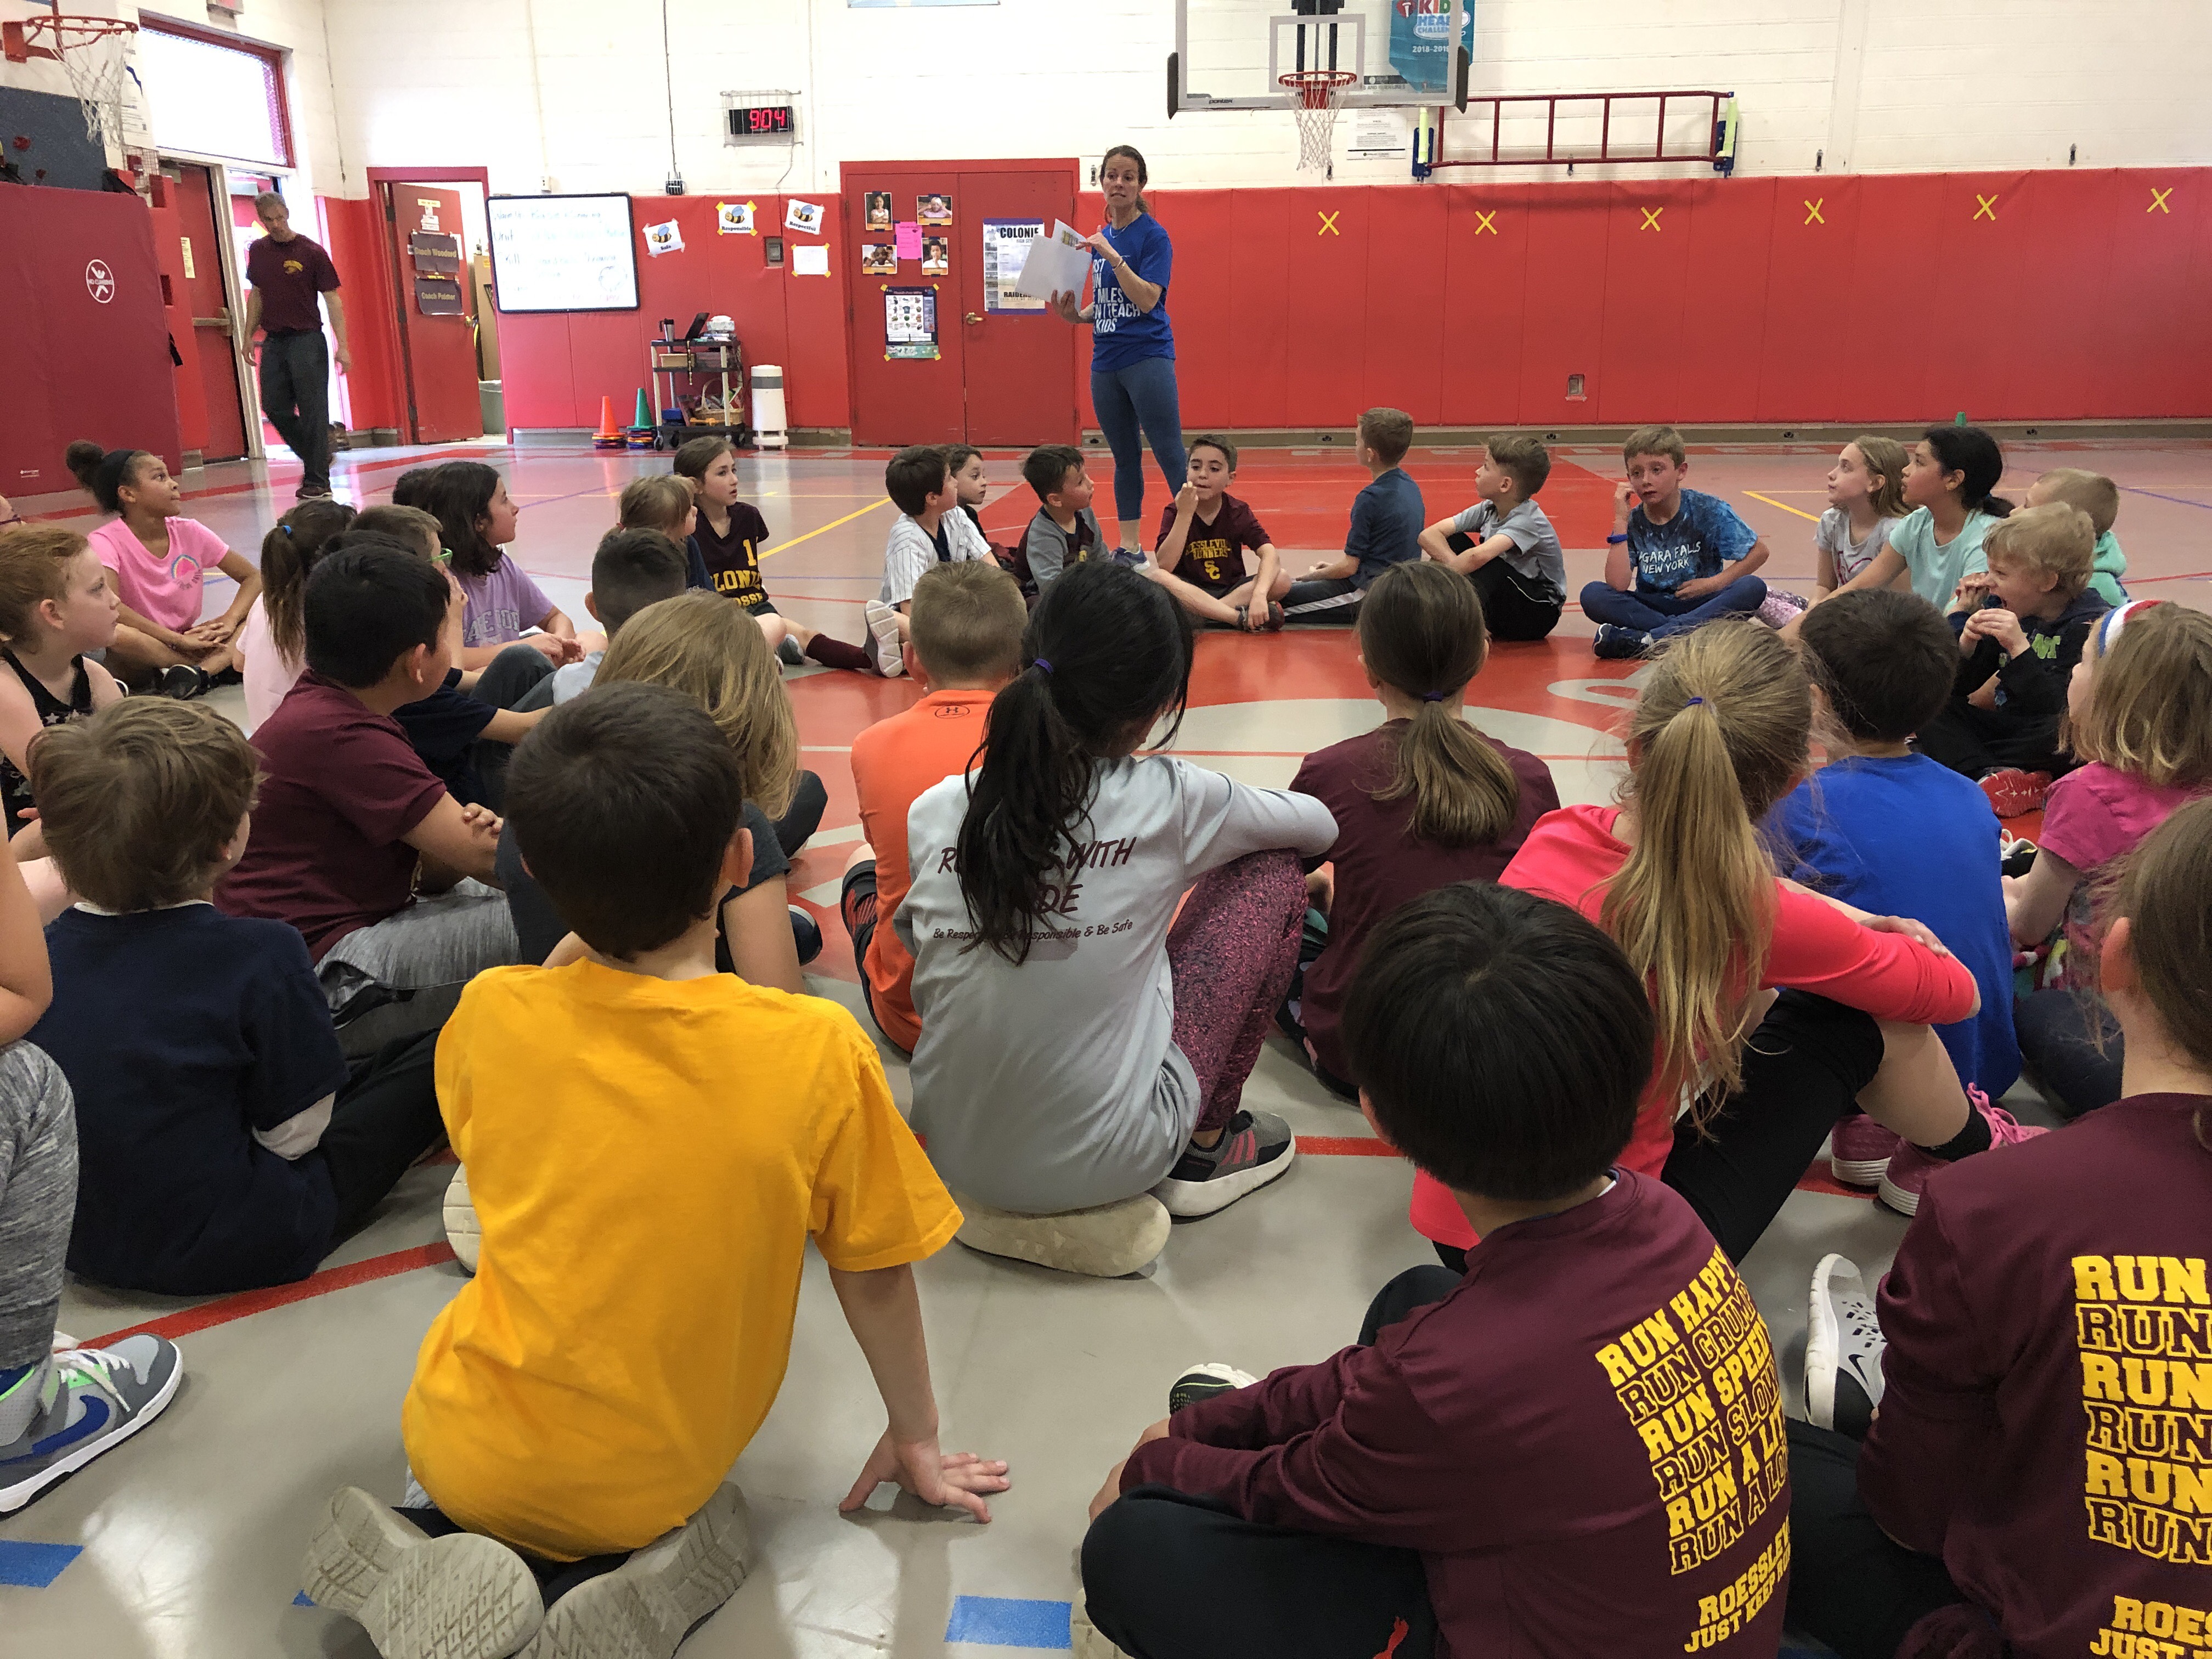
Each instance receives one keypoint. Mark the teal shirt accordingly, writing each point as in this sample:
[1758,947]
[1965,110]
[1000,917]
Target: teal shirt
[1936,570]
[2111,564]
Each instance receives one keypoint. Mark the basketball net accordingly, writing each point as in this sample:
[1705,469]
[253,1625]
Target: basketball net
[1313,94]
[91,51]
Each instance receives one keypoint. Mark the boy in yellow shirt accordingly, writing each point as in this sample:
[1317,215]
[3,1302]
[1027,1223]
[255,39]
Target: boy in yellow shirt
[577,1407]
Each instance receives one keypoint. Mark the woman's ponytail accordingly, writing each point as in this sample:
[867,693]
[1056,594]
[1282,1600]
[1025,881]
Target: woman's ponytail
[1105,654]
[1421,633]
[1719,735]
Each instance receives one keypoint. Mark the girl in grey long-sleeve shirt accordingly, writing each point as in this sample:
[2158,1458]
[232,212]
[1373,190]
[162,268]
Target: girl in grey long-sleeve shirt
[1076,1048]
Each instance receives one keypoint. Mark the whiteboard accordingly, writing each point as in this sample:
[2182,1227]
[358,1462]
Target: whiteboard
[562,252]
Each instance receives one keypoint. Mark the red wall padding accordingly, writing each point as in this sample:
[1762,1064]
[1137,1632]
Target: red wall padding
[73,365]
[1469,304]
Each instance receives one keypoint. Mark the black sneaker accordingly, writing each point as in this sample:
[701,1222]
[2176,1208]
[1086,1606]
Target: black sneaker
[182,682]
[1254,1149]
[1204,1381]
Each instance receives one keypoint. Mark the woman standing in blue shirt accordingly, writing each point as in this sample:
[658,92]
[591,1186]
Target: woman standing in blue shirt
[1133,378]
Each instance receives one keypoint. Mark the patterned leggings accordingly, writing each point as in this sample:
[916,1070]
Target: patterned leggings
[38,1199]
[1231,952]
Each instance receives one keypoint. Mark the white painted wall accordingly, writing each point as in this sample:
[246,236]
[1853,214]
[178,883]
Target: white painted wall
[1876,85]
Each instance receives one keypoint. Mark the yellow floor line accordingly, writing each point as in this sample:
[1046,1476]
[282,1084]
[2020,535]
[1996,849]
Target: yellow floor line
[1785,506]
[787,546]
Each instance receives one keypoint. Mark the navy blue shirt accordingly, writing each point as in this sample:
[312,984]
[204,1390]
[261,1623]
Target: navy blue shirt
[443,728]
[1912,838]
[1120,333]
[1387,519]
[182,1032]
[1704,535]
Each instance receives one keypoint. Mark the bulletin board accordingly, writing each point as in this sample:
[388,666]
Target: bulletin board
[562,252]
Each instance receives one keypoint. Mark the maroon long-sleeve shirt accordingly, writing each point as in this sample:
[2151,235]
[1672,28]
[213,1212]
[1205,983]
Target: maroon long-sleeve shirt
[2047,1422]
[1583,1441]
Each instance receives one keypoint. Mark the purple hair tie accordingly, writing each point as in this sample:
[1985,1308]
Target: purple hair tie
[1039,662]
[1694,702]
[1432,697]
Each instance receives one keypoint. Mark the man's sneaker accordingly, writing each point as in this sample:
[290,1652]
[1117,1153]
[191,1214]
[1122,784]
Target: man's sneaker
[2013,792]
[81,1402]
[1254,1149]
[1860,1150]
[645,1607]
[1843,1350]
[462,1231]
[788,653]
[1613,641]
[1907,1177]
[457,1597]
[1204,1381]
[882,627]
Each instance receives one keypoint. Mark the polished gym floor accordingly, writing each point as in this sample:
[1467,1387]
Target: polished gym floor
[187,1541]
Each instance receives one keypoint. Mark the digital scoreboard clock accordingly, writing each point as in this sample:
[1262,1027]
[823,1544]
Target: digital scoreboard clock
[765,122]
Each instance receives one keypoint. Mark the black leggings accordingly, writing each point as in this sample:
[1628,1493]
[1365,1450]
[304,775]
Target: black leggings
[1167,1576]
[1804,1066]
[1851,1584]
[2057,1042]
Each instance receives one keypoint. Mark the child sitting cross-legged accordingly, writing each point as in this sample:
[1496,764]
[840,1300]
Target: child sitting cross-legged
[577,1407]
[224,1143]
[2021,626]
[968,622]
[1510,1461]
[356,842]
[1677,558]
[2139,719]
[1505,545]
[668,503]
[1205,533]
[1064,531]
[270,646]
[1420,802]
[2033,1483]
[1385,529]
[931,530]
[55,605]
[1892,832]
[630,570]
[1083,1047]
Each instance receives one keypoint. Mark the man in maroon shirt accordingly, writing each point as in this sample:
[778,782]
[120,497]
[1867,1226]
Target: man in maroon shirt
[1577,1448]
[2038,1480]
[286,272]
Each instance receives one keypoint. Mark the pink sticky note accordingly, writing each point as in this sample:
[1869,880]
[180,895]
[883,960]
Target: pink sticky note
[909,242]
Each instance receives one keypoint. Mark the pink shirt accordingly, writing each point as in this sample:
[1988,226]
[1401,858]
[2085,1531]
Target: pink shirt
[2096,814]
[167,592]
[1570,856]
[269,673]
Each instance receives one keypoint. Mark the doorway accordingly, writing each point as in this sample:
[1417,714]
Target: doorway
[996,368]
[429,234]
[203,225]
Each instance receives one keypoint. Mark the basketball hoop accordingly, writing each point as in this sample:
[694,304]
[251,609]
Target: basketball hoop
[1314,93]
[92,52]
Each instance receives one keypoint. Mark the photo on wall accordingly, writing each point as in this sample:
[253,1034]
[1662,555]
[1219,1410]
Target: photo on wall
[933,209]
[879,259]
[936,256]
[879,206]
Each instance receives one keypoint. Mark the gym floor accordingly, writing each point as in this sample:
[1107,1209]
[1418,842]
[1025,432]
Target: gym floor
[188,1541]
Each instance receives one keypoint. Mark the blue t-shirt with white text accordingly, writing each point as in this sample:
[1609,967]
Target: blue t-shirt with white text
[1704,535]
[1120,333]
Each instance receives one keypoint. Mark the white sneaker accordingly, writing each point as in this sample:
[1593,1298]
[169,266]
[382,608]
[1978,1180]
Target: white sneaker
[1204,1381]
[882,625]
[1843,1349]
[463,1230]
[457,1597]
[645,1607]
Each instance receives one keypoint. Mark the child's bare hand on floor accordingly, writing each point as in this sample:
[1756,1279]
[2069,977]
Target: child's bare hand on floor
[949,1480]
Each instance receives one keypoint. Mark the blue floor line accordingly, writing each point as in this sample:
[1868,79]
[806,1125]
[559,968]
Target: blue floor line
[2176,500]
[34,1566]
[1004,1621]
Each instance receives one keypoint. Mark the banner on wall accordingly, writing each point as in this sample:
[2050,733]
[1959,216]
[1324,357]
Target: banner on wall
[910,323]
[1006,251]
[1419,49]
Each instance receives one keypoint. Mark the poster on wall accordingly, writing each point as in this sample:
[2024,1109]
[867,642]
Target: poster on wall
[936,256]
[933,209]
[879,259]
[910,323]
[809,259]
[1005,248]
[664,239]
[733,218]
[878,217]
[803,215]
[1420,47]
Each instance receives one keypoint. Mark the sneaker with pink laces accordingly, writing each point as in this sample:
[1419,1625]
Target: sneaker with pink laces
[2013,792]
[1860,1150]
[1907,1177]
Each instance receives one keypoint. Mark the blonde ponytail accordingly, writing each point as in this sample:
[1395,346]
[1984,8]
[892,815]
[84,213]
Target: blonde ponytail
[1719,735]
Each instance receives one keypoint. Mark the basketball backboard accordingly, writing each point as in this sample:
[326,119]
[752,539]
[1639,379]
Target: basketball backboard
[1404,54]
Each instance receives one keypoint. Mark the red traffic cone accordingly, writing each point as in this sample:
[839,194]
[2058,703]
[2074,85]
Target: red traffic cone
[608,436]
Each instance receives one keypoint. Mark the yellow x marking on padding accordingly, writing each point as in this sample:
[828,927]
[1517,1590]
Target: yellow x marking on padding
[1813,209]
[1985,207]
[2158,200]
[1485,222]
[1328,223]
[1651,218]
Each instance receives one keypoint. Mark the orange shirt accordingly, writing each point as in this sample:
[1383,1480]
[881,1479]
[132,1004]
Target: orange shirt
[893,762]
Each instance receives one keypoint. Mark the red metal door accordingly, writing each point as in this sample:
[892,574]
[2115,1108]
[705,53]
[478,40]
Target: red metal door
[430,265]
[900,396]
[1018,360]
[202,234]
